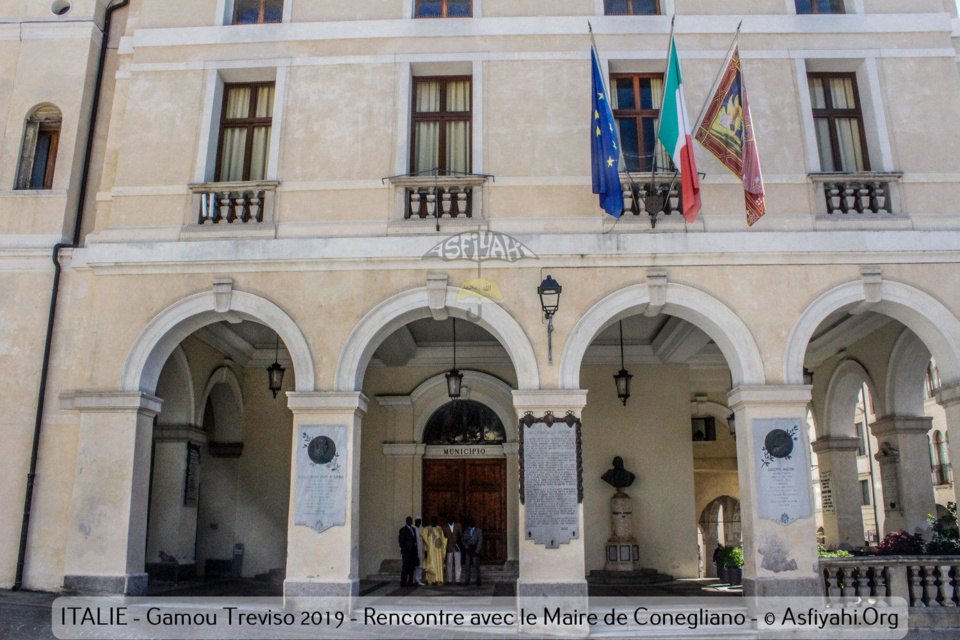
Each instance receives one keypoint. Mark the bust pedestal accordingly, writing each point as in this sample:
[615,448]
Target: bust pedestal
[623,552]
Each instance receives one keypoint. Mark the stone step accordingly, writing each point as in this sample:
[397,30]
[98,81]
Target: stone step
[638,577]
[493,573]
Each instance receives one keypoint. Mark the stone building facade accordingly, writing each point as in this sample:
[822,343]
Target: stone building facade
[261,186]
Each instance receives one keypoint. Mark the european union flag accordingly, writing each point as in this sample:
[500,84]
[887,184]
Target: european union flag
[606,147]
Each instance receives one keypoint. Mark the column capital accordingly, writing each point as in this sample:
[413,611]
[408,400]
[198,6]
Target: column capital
[327,402]
[559,401]
[111,401]
[948,396]
[892,425]
[769,395]
[835,443]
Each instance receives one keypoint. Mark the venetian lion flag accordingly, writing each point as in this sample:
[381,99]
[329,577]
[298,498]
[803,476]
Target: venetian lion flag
[676,135]
[727,132]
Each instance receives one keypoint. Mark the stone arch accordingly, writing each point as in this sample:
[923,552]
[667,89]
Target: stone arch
[224,388]
[176,390]
[840,403]
[414,304]
[172,325]
[720,413]
[934,324]
[906,371]
[431,394]
[698,307]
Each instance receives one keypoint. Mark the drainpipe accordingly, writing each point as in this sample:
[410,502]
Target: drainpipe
[55,290]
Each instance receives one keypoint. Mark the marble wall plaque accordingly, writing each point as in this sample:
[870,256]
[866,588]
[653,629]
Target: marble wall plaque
[551,482]
[321,483]
[783,469]
[191,484]
[826,492]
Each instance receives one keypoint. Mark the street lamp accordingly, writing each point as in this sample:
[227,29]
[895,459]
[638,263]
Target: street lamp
[454,377]
[732,423]
[275,371]
[623,378]
[549,291]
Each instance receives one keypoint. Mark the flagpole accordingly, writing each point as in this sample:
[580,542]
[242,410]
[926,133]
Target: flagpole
[656,139]
[593,43]
[716,83]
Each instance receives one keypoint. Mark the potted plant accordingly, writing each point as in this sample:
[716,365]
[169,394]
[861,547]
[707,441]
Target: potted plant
[733,562]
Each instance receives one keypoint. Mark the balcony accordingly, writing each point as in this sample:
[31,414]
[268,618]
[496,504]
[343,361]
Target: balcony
[439,197]
[233,204]
[662,200]
[850,195]
[926,583]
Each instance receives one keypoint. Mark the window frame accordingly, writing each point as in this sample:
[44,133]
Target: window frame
[638,114]
[831,114]
[38,125]
[815,10]
[250,123]
[444,10]
[260,17]
[442,117]
[631,12]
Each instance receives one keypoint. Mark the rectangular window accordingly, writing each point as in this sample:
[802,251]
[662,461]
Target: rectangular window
[820,6]
[865,492]
[257,11]
[444,9]
[631,7]
[245,126]
[442,126]
[838,122]
[635,99]
[862,435]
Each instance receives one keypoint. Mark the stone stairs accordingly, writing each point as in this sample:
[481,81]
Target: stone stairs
[492,573]
[628,578]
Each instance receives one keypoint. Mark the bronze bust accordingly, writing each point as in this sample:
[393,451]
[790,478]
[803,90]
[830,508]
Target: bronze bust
[618,477]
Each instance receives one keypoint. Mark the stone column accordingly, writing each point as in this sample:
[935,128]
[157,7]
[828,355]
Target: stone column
[904,457]
[779,559]
[949,398]
[843,519]
[326,564]
[108,522]
[551,573]
[401,448]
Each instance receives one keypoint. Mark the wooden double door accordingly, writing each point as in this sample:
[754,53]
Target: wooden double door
[470,488]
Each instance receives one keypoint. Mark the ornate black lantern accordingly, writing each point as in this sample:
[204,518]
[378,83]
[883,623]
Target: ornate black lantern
[732,423]
[454,377]
[549,291]
[275,371]
[807,376]
[623,377]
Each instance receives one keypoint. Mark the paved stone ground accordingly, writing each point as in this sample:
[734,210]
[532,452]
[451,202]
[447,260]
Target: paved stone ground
[26,615]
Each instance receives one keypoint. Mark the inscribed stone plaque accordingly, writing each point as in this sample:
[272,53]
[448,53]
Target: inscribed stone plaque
[783,469]
[551,481]
[826,492]
[191,485]
[321,484]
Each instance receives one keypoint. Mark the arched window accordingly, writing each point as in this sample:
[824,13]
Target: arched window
[464,422]
[38,155]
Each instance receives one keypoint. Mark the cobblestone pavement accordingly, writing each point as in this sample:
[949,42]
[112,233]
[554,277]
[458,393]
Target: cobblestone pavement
[27,615]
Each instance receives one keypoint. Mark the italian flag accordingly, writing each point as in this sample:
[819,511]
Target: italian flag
[676,135]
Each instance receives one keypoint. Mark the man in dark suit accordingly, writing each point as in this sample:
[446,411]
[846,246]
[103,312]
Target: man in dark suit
[408,551]
[472,540]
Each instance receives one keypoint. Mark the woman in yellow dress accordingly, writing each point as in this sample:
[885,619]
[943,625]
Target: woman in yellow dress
[435,549]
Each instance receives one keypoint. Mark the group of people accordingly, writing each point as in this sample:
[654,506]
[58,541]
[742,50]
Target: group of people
[438,553]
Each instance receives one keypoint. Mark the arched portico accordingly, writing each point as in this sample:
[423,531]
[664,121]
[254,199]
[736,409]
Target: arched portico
[906,371]
[723,326]
[840,402]
[415,304]
[169,328]
[936,326]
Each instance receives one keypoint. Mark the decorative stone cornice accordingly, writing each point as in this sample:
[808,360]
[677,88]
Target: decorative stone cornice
[835,443]
[948,396]
[768,395]
[111,401]
[559,401]
[893,425]
[179,433]
[328,402]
